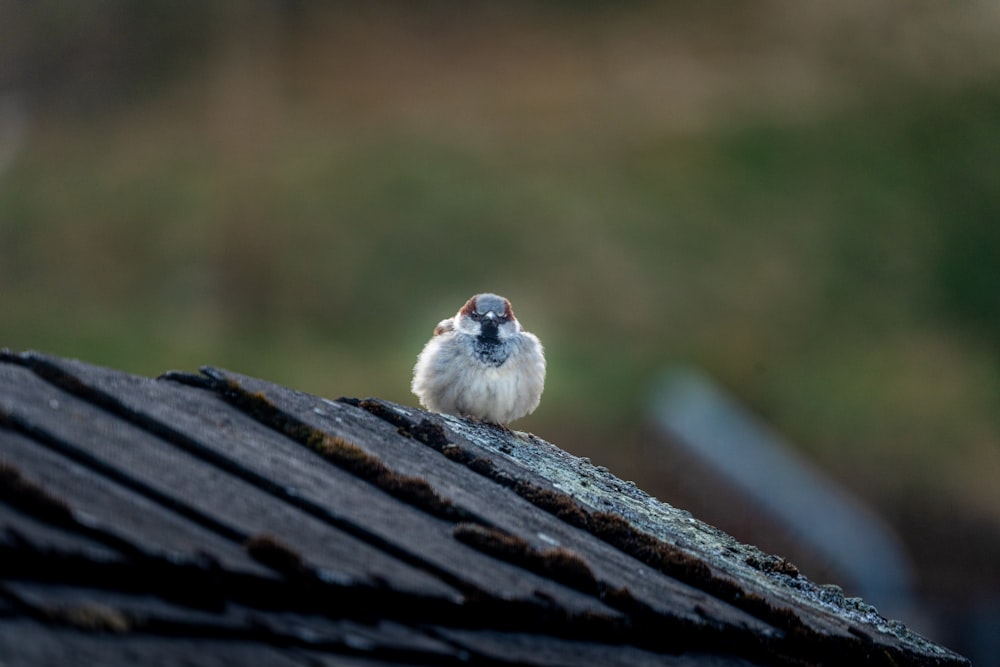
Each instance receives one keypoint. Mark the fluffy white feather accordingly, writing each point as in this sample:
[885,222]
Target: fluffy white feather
[481,364]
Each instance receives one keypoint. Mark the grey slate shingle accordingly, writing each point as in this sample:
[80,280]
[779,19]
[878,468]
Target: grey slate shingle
[220,519]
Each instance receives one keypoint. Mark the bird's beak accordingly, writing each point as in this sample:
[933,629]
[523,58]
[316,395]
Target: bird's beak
[490,326]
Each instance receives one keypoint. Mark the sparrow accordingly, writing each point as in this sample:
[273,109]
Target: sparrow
[481,364]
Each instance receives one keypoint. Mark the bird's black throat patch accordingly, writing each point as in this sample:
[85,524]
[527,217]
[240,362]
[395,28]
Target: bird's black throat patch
[490,350]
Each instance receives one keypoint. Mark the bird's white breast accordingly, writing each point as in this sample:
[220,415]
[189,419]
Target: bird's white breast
[449,378]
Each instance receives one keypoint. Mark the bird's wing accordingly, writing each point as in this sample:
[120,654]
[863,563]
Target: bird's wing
[444,326]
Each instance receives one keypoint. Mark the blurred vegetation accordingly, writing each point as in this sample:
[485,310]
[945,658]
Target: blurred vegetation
[301,193]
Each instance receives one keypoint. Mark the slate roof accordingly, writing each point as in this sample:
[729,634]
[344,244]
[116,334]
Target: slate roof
[217,519]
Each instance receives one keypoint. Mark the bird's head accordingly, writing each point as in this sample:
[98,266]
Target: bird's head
[489,317]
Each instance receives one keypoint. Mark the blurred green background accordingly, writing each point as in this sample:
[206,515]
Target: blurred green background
[801,198]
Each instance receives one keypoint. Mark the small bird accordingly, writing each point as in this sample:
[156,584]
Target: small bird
[481,364]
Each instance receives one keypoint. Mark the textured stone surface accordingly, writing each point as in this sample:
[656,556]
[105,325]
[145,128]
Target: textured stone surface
[215,518]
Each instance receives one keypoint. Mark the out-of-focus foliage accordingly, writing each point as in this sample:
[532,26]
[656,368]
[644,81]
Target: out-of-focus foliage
[800,197]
